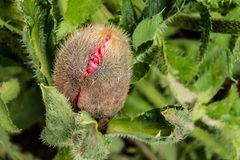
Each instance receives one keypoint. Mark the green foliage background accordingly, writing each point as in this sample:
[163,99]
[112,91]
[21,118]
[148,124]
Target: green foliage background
[184,100]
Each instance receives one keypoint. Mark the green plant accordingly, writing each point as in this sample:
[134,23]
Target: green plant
[184,98]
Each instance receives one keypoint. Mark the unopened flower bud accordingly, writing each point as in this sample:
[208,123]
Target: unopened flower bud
[93,69]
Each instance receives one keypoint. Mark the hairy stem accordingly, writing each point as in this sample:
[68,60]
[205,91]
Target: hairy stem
[194,23]
[206,27]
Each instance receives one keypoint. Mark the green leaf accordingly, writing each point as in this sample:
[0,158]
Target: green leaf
[128,15]
[101,16]
[153,29]
[134,105]
[9,90]
[59,117]
[116,146]
[147,28]
[148,127]
[64,128]
[216,67]
[181,119]
[154,7]
[11,150]
[219,108]
[184,67]
[8,10]
[138,7]
[150,91]
[6,122]
[63,154]
[217,3]
[4,139]
[234,13]
[78,12]
[50,29]
[34,38]
[155,55]
[139,70]
[236,50]
[235,110]
[153,126]
[182,94]
[88,142]
[160,58]
[9,72]
[27,111]
[210,141]
[10,27]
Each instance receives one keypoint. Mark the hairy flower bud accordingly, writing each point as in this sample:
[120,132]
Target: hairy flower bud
[93,69]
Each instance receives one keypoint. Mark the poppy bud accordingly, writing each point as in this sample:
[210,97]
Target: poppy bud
[93,69]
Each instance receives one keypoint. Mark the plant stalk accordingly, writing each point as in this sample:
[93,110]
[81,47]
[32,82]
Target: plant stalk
[194,23]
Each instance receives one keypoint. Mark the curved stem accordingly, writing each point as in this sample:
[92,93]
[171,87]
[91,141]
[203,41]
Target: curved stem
[194,23]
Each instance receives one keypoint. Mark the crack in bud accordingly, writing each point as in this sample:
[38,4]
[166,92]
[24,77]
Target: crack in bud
[77,97]
[96,57]
[94,62]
